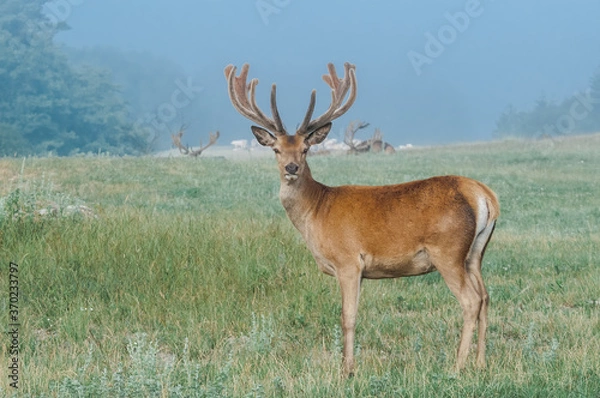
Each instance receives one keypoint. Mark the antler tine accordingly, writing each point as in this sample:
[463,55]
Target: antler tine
[339,90]
[349,135]
[275,124]
[214,137]
[212,140]
[239,93]
[331,79]
[309,111]
[260,116]
[274,110]
[351,130]
[177,141]
[377,135]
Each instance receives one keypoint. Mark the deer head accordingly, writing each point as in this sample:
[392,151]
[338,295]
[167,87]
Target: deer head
[291,150]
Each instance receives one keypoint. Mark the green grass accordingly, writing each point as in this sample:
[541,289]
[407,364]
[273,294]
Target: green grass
[188,280]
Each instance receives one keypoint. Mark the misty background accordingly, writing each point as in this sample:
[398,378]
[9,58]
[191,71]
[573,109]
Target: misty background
[428,72]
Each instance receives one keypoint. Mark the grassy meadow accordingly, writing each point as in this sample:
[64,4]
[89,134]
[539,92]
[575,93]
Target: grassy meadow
[180,277]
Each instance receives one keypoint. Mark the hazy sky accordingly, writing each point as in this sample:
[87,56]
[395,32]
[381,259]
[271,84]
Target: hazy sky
[428,72]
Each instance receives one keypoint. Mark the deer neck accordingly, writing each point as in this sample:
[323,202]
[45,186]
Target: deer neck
[301,198]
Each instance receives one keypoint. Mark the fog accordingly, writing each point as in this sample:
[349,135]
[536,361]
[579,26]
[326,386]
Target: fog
[428,72]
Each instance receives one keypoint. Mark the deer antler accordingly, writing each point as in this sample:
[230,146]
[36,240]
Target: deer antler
[238,94]
[377,135]
[213,140]
[351,130]
[185,150]
[339,89]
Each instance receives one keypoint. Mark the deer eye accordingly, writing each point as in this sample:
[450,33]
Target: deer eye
[276,151]
[305,151]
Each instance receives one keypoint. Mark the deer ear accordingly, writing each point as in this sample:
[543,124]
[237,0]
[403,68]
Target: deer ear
[319,135]
[263,137]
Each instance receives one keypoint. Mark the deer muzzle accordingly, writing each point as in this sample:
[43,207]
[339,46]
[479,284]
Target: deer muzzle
[291,169]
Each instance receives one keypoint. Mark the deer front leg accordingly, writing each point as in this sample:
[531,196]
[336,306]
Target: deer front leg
[350,287]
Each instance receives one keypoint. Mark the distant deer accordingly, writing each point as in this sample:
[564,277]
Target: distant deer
[354,232]
[186,150]
[378,144]
[375,144]
[351,130]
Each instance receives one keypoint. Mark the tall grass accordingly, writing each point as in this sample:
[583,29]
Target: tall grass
[187,280]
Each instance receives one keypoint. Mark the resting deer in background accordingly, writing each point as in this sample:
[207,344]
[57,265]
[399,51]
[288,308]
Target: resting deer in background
[355,232]
[375,144]
[186,150]
[351,129]
[378,144]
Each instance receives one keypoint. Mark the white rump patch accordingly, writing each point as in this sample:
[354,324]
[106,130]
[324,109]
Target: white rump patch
[483,230]
[482,214]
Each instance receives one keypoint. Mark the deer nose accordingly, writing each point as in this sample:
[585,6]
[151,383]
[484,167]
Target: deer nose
[291,168]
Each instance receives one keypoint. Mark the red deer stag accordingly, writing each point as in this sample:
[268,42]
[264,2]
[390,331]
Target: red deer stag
[354,232]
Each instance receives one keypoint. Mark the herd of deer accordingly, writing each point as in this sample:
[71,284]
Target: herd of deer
[375,144]
[371,232]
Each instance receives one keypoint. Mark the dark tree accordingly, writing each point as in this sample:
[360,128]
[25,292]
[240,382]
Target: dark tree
[46,103]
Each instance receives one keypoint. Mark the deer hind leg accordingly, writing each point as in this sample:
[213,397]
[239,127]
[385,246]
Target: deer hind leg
[461,285]
[474,270]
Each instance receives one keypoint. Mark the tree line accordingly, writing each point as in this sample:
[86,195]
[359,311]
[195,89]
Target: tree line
[576,114]
[67,101]
[48,104]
